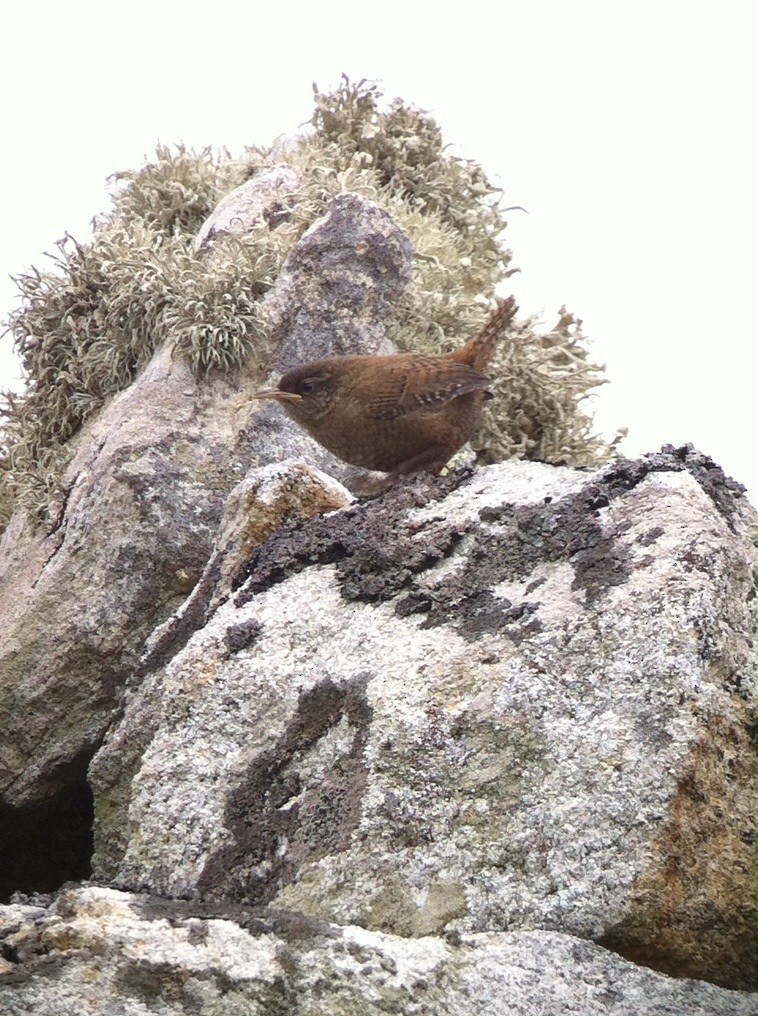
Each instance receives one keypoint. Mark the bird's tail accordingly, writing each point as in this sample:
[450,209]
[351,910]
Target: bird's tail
[478,352]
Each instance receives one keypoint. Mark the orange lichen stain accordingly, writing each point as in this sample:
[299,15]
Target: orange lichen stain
[694,911]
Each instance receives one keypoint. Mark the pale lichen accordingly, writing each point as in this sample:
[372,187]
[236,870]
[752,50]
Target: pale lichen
[539,381]
[86,326]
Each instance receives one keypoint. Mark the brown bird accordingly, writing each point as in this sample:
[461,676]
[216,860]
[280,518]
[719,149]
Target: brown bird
[399,414]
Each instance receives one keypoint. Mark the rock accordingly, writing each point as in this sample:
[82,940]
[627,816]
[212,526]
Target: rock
[268,498]
[336,295]
[257,507]
[267,199]
[349,271]
[506,700]
[103,952]
[372,746]
[145,494]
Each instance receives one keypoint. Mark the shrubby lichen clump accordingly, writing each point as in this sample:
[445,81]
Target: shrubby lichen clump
[85,327]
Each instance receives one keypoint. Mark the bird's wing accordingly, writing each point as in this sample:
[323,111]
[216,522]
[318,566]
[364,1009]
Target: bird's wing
[425,388]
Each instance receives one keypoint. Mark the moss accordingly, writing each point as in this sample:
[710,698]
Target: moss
[216,320]
[175,192]
[540,379]
[83,330]
[86,325]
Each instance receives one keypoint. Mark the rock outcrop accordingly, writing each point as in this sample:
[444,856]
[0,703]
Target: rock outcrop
[478,743]
[145,492]
[508,700]
[106,952]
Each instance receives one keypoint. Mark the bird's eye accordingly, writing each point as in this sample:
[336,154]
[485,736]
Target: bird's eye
[306,387]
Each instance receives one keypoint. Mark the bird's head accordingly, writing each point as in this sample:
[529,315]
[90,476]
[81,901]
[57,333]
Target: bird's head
[306,393]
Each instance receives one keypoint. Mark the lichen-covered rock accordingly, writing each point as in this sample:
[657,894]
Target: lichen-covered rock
[144,496]
[265,500]
[144,493]
[105,952]
[265,200]
[512,699]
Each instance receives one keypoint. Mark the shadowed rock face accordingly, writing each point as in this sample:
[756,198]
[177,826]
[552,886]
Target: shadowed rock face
[510,698]
[48,842]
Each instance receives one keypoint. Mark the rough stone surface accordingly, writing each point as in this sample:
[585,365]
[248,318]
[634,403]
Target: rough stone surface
[144,496]
[145,491]
[112,954]
[336,295]
[348,271]
[266,199]
[372,746]
[509,699]
[265,500]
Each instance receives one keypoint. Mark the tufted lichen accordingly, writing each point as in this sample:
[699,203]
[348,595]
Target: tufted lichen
[86,325]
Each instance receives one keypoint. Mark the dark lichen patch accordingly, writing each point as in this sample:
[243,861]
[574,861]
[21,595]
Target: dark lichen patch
[725,492]
[375,549]
[645,562]
[157,984]
[162,986]
[380,554]
[651,536]
[483,613]
[30,960]
[516,541]
[194,914]
[197,932]
[280,817]
[599,566]
[242,636]
[379,569]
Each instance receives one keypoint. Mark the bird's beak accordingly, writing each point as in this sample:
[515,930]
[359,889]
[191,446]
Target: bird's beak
[274,393]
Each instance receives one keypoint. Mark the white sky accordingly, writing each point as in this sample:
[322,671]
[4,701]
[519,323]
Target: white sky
[624,129]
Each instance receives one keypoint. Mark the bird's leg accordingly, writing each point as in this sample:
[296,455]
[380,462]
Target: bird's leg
[433,460]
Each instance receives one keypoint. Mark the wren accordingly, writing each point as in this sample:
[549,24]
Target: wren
[400,414]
